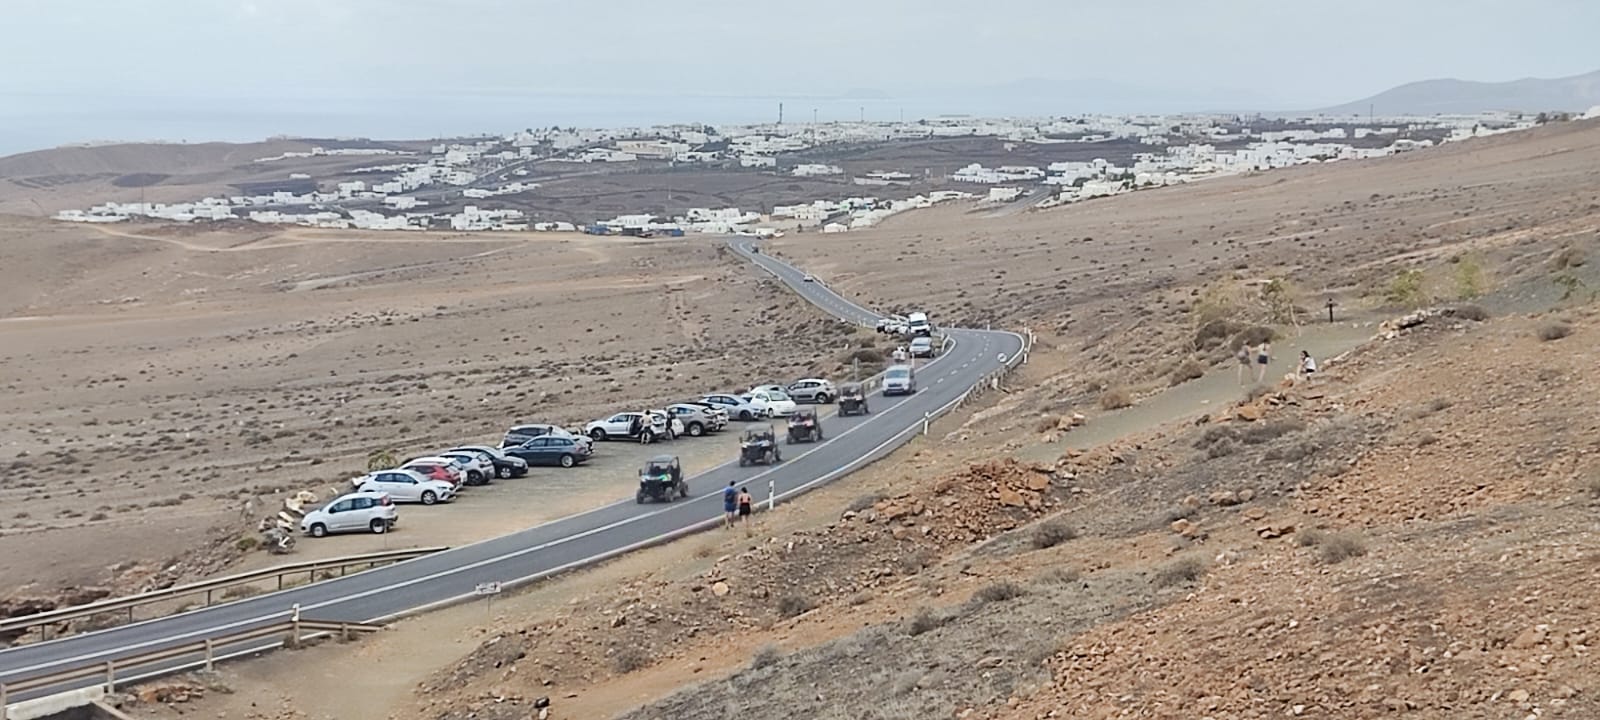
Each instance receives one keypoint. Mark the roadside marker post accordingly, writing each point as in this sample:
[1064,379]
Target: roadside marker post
[488,590]
[772,494]
[926,418]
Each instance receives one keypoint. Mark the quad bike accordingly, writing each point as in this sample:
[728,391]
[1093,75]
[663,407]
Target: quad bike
[759,447]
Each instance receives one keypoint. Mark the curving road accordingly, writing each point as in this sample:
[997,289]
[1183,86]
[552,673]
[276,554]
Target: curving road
[538,552]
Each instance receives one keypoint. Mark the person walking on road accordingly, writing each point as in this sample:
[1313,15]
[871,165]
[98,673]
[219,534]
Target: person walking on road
[1263,356]
[1244,363]
[730,505]
[746,504]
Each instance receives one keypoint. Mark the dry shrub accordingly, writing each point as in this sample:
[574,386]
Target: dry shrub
[1475,313]
[1189,369]
[1116,398]
[247,543]
[706,550]
[1221,448]
[1333,548]
[767,656]
[1259,433]
[1046,424]
[1060,576]
[865,502]
[1213,333]
[1256,393]
[1180,571]
[1052,533]
[1000,591]
[1254,335]
[925,620]
[1554,331]
[629,659]
[795,603]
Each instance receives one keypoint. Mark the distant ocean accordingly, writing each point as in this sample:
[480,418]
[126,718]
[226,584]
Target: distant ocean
[35,122]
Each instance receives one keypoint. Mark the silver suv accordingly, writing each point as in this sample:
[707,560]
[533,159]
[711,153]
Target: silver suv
[899,380]
[812,390]
[698,419]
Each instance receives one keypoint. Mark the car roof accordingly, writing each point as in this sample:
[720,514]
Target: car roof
[374,494]
[664,458]
[431,459]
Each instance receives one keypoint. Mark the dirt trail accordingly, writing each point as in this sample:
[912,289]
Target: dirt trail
[1211,393]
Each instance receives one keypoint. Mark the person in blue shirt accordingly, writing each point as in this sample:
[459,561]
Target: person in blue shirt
[730,505]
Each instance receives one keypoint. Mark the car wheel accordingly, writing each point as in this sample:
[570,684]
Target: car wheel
[474,477]
[503,471]
[429,497]
[745,415]
[598,435]
[823,399]
[379,526]
[695,429]
[638,497]
[568,461]
[319,530]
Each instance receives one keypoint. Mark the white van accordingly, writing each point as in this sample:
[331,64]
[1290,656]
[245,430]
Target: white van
[918,323]
[899,380]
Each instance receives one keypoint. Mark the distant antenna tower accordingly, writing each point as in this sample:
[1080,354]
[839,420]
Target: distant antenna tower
[780,113]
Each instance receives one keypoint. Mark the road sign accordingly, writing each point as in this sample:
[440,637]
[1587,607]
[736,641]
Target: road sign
[488,588]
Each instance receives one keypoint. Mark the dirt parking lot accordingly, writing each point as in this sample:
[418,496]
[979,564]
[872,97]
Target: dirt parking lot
[159,377]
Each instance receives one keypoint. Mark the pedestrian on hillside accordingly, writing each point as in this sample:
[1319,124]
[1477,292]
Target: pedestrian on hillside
[1263,356]
[730,505]
[1244,363]
[1308,365]
[746,504]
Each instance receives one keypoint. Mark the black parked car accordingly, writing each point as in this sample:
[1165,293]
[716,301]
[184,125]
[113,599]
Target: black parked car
[550,450]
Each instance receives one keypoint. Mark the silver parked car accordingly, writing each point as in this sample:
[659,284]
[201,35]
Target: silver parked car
[698,419]
[356,512]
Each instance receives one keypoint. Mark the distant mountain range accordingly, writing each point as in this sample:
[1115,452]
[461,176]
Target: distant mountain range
[1444,97]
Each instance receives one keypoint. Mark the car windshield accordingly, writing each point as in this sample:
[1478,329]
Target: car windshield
[778,395]
[898,373]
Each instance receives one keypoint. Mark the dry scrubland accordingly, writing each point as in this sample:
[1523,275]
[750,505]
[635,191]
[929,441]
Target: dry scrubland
[1410,537]
[156,377]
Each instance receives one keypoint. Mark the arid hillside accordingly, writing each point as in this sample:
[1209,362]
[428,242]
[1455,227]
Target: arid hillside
[1129,529]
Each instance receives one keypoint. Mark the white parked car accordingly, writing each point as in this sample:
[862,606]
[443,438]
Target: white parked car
[356,512]
[670,420]
[741,408]
[776,402]
[813,390]
[642,426]
[406,486]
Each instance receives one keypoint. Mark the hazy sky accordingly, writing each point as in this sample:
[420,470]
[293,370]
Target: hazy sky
[99,58]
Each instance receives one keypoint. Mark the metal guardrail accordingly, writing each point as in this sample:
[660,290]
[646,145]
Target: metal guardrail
[291,633]
[206,587]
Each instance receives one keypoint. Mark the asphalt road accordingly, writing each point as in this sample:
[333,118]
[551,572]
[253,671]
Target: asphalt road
[556,546]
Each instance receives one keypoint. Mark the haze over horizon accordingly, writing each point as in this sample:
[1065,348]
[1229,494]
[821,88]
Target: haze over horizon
[199,70]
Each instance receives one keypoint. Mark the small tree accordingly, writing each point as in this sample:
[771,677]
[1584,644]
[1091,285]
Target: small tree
[1279,296]
[1406,290]
[1469,278]
[380,460]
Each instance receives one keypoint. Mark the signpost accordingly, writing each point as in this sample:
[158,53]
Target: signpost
[488,590]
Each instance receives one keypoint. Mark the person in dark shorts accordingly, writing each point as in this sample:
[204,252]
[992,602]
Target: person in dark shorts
[746,505]
[730,505]
[1263,356]
[1308,365]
